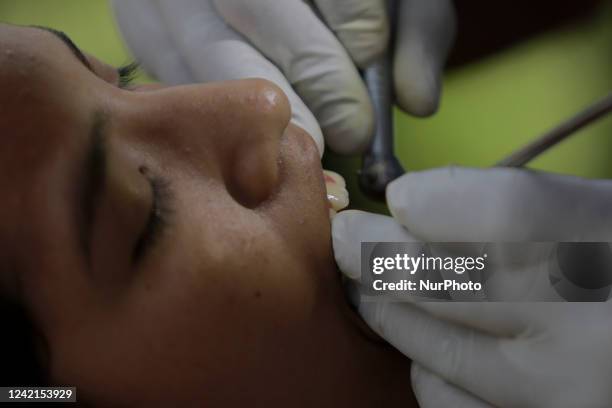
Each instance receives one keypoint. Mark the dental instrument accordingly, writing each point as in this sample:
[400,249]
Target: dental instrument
[556,135]
[380,166]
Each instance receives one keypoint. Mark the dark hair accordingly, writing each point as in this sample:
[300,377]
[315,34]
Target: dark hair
[20,362]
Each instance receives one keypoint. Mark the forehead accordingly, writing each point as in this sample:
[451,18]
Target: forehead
[42,89]
[34,65]
[30,54]
[22,45]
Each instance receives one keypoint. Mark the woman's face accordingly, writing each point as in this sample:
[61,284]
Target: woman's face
[173,244]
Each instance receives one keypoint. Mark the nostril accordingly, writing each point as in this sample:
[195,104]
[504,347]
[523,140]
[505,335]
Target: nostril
[255,116]
[254,174]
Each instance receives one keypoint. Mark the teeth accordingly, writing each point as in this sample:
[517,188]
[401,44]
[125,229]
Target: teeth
[337,195]
[332,177]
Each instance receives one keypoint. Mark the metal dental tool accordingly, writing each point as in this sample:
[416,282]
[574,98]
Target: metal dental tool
[549,139]
[380,166]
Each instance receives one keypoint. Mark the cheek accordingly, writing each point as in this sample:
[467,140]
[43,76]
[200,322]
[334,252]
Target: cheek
[230,289]
[243,282]
[202,329]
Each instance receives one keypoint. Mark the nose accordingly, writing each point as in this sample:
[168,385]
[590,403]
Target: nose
[254,148]
[237,125]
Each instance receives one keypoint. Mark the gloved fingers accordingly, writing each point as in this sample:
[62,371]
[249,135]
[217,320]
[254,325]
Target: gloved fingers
[432,391]
[480,364]
[455,204]
[143,27]
[211,51]
[351,228]
[314,61]
[504,319]
[425,34]
[362,26]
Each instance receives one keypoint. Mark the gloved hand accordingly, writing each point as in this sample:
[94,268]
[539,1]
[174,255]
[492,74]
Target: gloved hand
[505,354]
[183,41]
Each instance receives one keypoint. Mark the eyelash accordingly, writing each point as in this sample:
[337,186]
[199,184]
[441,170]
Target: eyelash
[127,74]
[161,212]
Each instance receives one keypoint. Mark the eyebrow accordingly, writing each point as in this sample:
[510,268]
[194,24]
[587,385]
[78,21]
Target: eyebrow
[69,43]
[92,181]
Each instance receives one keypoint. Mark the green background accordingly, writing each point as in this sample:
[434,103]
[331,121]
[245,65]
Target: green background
[488,109]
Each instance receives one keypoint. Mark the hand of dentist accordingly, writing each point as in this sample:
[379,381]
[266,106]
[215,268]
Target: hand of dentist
[314,60]
[504,354]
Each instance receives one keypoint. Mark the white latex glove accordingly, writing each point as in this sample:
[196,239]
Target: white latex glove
[183,41]
[507,354]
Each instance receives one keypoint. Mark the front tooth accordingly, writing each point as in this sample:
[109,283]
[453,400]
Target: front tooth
[334,177]
[337,196]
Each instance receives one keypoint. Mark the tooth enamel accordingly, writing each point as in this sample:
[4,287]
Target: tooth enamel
[335,177]
[337,197]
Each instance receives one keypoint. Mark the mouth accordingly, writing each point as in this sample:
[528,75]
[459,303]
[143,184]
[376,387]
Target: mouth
[302,152]
[337,194]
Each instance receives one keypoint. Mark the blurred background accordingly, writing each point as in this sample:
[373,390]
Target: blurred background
[495,99]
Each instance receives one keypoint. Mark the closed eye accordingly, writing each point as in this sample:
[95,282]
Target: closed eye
[127,74]
[161,212]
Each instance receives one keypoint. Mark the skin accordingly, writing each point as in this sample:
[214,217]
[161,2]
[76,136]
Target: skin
[237,303]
